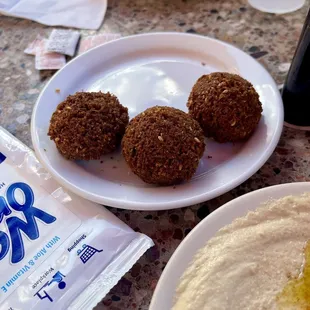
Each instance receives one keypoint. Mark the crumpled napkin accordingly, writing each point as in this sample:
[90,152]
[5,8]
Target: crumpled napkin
[85,14]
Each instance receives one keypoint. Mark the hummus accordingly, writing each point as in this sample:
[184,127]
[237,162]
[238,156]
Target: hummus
[249,263]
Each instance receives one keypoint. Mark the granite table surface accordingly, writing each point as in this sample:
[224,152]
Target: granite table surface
[271,39]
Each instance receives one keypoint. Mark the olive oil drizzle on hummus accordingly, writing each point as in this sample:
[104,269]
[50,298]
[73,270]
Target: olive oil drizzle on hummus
[296,293]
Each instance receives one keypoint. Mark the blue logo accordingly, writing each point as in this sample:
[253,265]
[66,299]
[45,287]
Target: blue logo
[16,225]
[2,158]
[57,278]
[87,253]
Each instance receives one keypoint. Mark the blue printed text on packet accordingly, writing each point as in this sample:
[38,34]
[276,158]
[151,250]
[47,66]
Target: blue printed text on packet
[57,251]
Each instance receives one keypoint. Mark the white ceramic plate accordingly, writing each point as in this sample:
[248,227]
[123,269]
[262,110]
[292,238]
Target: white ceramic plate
[147,70]
[206,229]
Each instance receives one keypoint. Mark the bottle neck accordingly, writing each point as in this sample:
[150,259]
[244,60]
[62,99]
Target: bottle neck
[298,78]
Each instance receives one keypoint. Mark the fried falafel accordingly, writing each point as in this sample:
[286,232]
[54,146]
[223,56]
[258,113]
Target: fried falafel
[163,145]
[226,106]
[88,125]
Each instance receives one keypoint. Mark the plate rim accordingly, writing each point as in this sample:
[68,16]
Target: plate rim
[285,189]
[147,206]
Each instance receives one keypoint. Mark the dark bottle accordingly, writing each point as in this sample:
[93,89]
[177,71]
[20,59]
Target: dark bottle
[296,90]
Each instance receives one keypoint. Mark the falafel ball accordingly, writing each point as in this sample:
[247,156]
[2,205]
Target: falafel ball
[87,125]
[163,145]
[226,106]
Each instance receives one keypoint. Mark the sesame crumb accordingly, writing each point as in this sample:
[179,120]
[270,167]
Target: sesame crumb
[57,90]
[197,140]
[160,138]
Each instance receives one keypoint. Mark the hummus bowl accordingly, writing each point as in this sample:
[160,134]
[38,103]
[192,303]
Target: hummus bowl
[186,253]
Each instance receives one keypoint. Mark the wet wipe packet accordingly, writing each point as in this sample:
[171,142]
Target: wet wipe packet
[47,60]
[63,41]
[57,251]
[31,49]
[92,41]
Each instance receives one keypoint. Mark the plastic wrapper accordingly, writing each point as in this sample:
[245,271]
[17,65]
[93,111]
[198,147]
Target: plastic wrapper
[48,61]
[63,41]
[57,251]
[89,42]
[85,14]
[32,47]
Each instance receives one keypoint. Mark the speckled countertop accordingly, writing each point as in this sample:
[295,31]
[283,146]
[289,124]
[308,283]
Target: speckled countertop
[269,38]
